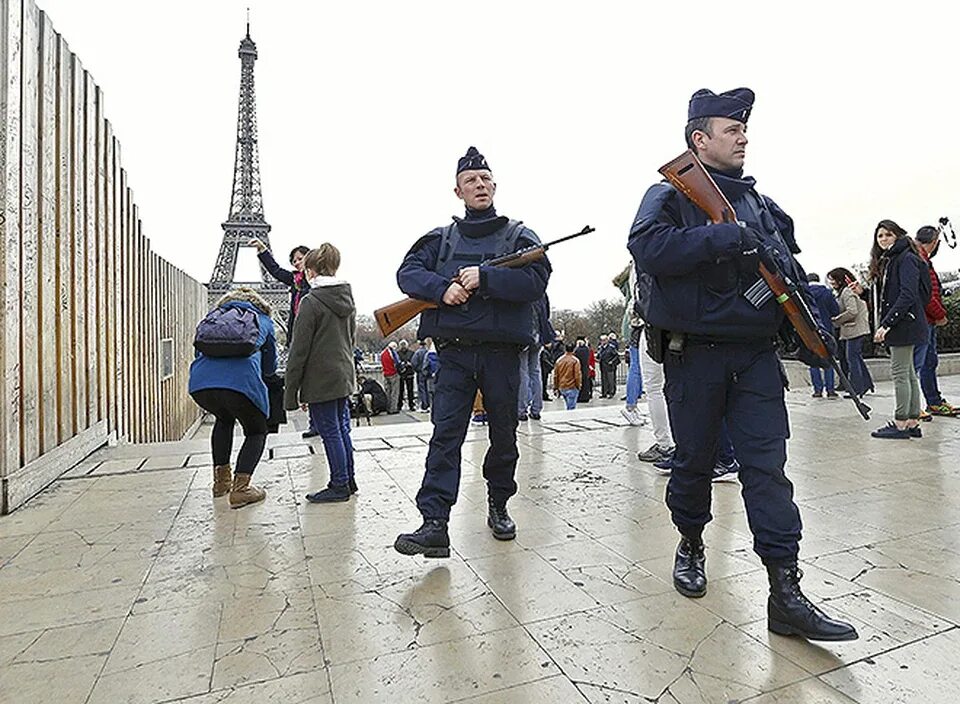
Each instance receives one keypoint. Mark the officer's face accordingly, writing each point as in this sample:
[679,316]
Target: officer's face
[476,189]
[885,238]
[725,147]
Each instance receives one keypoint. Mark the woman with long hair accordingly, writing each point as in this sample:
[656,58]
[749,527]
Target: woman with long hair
[854,323]
[320,368]
[896,268]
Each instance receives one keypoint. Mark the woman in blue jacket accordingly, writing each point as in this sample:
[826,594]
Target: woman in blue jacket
[233,390]
[896,266]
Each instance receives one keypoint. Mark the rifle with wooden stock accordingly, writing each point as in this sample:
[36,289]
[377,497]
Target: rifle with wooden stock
[688,176]
[394,316]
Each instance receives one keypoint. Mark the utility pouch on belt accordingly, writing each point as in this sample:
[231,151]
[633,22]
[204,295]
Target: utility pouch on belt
[656,343]
[675,343]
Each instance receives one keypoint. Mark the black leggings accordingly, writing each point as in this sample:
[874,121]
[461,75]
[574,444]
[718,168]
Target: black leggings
[229,407]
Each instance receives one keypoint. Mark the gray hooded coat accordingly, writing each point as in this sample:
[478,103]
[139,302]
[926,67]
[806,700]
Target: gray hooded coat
[320,363]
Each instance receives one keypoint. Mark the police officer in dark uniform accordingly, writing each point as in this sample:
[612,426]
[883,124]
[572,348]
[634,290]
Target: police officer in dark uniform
[720,360]
[485,317]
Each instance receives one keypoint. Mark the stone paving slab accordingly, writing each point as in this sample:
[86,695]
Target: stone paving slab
[127,582]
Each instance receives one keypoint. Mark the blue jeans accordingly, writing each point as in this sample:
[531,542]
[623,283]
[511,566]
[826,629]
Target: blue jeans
[925,360]
[423,394]
[860,377]
[332,419]
[570,396]
[634,380]
[530,396]
[822,377]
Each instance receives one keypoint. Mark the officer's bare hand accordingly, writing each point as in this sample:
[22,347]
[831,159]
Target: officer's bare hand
[455,294]
[469,278]
[258,244]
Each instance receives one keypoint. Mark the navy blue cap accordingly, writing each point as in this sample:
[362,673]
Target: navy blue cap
[735,104]
[473,160]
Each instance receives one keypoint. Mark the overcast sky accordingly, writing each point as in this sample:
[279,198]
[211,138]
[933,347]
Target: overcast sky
[364,108]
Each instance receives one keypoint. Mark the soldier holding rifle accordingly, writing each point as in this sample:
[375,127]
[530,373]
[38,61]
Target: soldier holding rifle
[717,347]
[484,317]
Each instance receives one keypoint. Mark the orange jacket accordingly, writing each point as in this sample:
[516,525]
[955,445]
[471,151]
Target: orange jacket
[566,373]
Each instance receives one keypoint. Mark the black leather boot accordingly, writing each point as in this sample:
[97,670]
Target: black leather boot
[790,613]
[500,522]
[429,540]
[689,573]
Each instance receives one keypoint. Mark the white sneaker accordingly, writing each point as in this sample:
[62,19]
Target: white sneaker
[632,415]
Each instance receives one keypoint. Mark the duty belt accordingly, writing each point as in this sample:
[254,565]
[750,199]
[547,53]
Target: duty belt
[474,343]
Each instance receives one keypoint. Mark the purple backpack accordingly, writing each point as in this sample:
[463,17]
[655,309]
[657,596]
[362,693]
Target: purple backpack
[228,332]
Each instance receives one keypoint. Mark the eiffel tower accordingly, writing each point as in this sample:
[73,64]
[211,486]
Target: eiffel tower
[246,221]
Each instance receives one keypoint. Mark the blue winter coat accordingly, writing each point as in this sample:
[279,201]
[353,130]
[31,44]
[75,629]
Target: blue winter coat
[498,311]
[826,302]
[242,374]
[698,278]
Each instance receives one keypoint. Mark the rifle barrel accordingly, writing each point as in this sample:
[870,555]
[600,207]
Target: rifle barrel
[585,231]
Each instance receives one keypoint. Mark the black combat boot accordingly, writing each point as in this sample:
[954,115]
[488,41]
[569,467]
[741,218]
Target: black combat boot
[500,522]
[429,540]
[790,613]
[689,574]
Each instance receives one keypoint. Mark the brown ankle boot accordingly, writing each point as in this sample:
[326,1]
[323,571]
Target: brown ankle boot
[222,478]
[244,493]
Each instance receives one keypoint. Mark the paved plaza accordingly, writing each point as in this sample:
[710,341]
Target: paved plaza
[126,582]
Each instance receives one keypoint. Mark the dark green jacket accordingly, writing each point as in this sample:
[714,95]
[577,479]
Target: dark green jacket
[320,363]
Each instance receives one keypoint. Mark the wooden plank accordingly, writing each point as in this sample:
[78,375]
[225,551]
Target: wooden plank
[110,187]
[29,224]
[153,288]
[123,313]
[32,478]
[78,326]
[101,258]
[128,307]
[90,211]
[65,397]
[10,45]
[137,331]
[47,260]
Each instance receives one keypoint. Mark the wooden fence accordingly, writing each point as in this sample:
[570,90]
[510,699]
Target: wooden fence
[95,328]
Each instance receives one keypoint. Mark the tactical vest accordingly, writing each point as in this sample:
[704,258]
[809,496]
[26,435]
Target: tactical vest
[480,318]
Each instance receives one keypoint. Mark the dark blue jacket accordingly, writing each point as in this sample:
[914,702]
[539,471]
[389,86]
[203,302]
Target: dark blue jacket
[499,311]
[698,276]
[242,374]
[299,286]
[541,311]
[827,304]
[900,307]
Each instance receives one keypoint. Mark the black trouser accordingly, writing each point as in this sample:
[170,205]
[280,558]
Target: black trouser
[741,384]
[545,375]
[495,371]
[608,380]
[231,407]
[406,386]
